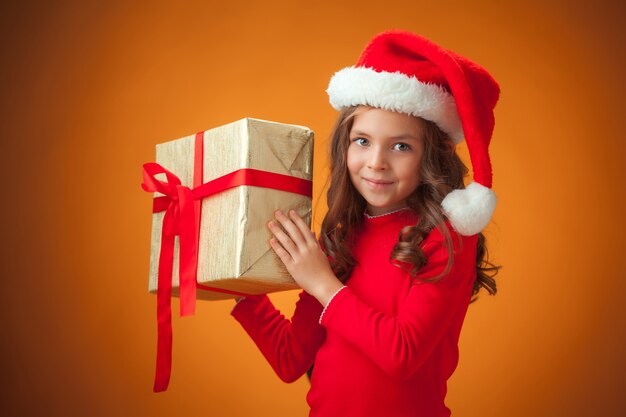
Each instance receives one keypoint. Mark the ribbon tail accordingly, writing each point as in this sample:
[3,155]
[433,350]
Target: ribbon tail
[188,258]
[164,314]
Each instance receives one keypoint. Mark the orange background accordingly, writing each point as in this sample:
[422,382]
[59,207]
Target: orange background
[89,89]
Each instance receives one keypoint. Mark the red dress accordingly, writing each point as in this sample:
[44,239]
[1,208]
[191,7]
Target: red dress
[385,344]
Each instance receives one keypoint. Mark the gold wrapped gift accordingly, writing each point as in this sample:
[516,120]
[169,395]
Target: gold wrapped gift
[233,244]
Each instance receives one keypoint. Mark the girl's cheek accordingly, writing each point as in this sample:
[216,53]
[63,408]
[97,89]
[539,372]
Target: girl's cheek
[355,156]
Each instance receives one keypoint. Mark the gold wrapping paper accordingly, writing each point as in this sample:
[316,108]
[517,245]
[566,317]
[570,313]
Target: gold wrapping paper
[234,251]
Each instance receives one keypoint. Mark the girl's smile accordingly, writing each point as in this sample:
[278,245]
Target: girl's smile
[384,158]
[377,184]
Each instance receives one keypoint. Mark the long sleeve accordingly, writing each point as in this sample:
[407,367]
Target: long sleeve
[289,346]
[401,344]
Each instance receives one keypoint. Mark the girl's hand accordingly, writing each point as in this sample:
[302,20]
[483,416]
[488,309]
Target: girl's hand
[301,253]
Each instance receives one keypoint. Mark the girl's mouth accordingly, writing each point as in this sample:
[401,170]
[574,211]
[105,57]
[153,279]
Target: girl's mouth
[376,184]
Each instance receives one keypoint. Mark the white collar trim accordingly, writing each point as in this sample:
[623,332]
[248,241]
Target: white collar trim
[386,214]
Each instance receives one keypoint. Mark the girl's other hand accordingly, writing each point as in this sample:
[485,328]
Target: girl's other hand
[296,246]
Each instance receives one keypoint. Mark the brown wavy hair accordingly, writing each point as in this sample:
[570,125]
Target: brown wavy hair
[441,171]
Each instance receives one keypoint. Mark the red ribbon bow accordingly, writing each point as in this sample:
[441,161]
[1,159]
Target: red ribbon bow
[182,218]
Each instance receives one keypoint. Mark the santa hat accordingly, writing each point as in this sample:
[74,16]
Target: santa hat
[407,73]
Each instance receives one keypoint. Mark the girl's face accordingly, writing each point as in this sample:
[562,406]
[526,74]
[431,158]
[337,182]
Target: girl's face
[384,158]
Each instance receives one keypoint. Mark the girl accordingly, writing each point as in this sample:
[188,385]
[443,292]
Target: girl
[401,253]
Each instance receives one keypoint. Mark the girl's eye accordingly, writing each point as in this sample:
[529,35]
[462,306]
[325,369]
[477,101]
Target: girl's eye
[360,141]
[401,147]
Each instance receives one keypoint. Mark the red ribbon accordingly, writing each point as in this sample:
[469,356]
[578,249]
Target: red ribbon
[182,218]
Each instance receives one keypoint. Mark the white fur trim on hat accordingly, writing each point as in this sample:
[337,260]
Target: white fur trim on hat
[396,91]
[470,209]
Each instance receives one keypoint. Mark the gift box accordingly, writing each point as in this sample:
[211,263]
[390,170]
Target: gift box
[214,193]
[233,246]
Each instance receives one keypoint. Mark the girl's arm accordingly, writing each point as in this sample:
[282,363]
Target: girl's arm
[401,344]
[289,346]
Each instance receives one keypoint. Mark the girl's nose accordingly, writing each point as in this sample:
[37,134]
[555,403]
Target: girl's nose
[376,159]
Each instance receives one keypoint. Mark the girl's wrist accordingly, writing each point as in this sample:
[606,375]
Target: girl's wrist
[326,291]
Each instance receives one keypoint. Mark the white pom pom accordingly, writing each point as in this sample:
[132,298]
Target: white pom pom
[469,210]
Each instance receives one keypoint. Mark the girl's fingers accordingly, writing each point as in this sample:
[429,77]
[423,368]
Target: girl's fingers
[282,237]
[292,229]
[308,234]
[280,251]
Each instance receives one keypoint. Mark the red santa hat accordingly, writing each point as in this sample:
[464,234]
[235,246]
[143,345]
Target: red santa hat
[404,72]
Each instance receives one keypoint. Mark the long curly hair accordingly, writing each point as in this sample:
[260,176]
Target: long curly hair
[441,171]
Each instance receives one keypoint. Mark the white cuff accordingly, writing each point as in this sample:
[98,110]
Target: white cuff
[329,301]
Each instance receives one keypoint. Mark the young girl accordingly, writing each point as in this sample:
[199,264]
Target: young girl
[401,253]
